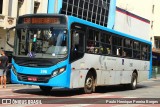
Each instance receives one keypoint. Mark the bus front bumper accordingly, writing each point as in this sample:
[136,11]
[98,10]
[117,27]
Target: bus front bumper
[57,81]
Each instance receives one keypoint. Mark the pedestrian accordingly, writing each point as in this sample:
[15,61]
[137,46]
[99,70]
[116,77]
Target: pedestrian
[3,65]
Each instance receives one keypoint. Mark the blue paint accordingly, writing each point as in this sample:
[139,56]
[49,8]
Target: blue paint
[51,6]
[150,71]
[59,5]
[112,13]
[61,80]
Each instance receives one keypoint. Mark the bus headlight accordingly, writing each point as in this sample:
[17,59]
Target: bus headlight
[14,70]
[58,71]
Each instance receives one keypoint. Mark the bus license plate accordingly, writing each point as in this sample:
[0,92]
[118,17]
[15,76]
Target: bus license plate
[32,78]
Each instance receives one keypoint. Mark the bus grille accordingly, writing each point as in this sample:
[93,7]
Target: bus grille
[39,78]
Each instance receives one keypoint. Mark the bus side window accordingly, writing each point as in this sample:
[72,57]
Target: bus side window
[144,52]
[116,46]
[77,41]
[136,50]
[77,45]
[127,48]
[90,47]
[105,44]
[93,45]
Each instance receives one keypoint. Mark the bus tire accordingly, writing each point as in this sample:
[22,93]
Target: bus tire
[45,88]
[89,85]
[133,83]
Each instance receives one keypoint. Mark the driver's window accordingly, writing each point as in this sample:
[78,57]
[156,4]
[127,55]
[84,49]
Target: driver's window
[77,44]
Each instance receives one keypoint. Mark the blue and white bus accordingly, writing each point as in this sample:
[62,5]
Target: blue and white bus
[52,50]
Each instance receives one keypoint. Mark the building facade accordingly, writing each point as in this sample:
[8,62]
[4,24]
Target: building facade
[155,35]
[132,17]
[11,9]
[101,12]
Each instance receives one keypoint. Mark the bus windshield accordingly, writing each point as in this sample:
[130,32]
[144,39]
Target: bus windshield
[39,43]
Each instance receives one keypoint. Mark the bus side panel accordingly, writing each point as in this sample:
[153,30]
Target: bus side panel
[127,70]
[143,73]
[108,71]
[78,78]
[118,67]
[142,68]
[81,68]
[106,78]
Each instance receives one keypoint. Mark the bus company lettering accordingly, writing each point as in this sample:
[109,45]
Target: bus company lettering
[111,59]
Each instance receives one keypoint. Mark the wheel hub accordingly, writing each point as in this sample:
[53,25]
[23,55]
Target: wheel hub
[89,82]
[134,82]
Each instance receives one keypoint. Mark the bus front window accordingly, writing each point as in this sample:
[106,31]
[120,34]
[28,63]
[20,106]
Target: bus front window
[41,42]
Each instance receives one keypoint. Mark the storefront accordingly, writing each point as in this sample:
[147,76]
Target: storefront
[155,63]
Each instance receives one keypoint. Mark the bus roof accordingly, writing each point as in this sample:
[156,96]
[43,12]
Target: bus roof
[73,19]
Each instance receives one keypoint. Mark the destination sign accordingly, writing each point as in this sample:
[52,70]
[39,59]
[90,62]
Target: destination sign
[42,20]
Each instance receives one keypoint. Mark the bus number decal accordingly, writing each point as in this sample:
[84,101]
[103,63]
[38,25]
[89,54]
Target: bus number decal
[43,71]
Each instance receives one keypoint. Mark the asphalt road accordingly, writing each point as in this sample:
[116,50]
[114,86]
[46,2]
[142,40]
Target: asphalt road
[147,89]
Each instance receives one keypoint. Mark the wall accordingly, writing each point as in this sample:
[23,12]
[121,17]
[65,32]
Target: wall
[132,24]
[132,19]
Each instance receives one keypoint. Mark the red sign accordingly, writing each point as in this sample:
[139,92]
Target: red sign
[32,78]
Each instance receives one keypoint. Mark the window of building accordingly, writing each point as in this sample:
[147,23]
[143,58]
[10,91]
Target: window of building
[1,6]
[153,8]
[95,11]
[152,24]
[20,2]
[36,6]
[157,43]
[10,7]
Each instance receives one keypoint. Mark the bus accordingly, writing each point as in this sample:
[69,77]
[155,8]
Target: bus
[55,50]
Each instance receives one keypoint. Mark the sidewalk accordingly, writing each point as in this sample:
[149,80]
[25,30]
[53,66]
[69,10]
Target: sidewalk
[157,77]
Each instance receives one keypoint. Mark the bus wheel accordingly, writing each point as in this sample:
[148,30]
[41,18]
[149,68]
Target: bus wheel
[45,88]
[89,86]
[133,83]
